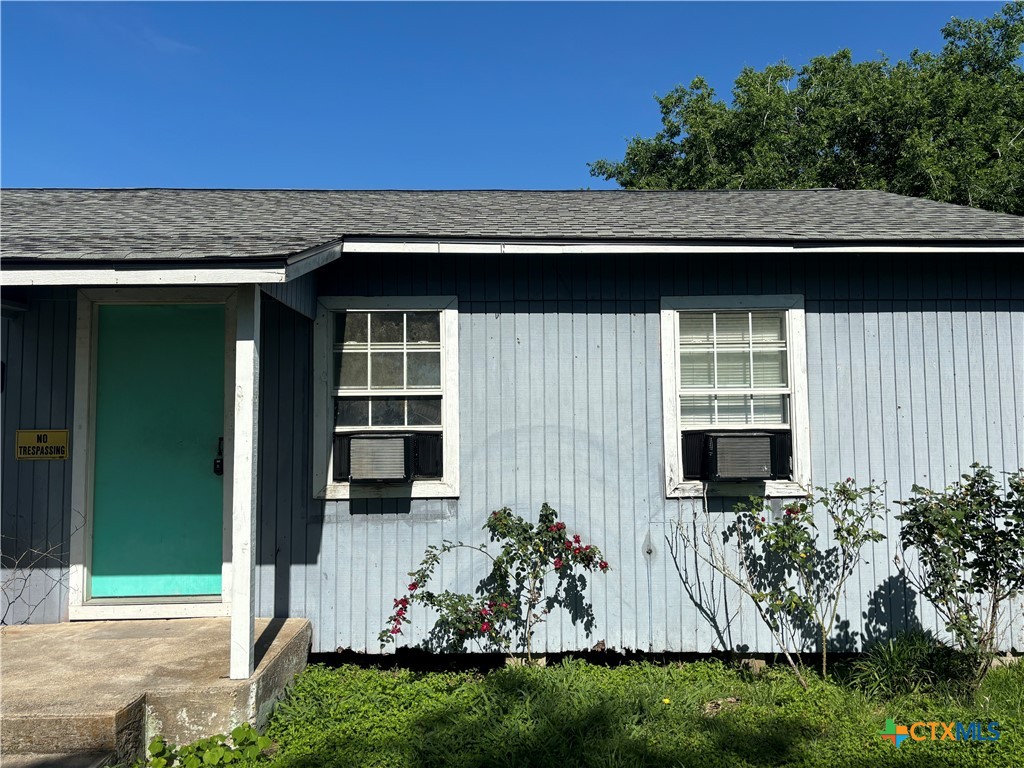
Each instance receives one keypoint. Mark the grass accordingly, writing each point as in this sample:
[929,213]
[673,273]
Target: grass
[574,714]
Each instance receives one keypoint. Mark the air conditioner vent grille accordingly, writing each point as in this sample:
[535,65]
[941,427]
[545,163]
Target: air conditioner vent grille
[378,458]
[744,456]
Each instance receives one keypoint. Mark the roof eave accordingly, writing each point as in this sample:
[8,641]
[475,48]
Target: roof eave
[24,272]
[519,245]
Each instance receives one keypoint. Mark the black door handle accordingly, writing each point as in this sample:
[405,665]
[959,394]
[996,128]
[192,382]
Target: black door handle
[218,463]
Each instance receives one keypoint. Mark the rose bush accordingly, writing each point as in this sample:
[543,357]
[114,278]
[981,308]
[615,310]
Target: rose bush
[514,597]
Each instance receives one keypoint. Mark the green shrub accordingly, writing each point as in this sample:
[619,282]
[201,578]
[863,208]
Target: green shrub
[969,544]
[913,662]
[794,576]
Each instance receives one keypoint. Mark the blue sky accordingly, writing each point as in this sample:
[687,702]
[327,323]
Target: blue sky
[386,95]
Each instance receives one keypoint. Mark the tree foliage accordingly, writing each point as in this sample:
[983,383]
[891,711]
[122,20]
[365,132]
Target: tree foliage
[947,126]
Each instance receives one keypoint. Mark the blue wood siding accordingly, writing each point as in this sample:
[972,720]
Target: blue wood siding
[298,294]
[916,369]
[38,349]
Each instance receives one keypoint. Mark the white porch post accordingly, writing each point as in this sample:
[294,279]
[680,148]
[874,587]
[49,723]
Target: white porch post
[243,496]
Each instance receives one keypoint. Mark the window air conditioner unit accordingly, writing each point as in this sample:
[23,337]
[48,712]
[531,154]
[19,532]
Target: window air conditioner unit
[737,456]
[386,457]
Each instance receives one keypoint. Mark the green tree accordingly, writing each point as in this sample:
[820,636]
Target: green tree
[947,126]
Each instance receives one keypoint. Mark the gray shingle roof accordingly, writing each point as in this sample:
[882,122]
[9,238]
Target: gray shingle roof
[215,224]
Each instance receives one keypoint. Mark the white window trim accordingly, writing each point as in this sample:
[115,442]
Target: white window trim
[793,304]
[323,430]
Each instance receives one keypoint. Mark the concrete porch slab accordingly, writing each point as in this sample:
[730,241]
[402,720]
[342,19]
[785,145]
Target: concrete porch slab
[110,686]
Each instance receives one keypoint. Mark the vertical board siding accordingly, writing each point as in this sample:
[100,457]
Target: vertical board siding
[915,371]
[36,518]
[286,511]
[298,294]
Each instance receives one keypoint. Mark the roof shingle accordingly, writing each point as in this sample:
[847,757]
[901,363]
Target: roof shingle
[114,224]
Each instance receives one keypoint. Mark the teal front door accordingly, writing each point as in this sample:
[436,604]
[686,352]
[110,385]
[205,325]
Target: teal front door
[157,508]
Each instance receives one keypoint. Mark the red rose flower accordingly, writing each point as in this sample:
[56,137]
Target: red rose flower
[604,565]
[485,627]
[413,587]
[576,538]
[558,563]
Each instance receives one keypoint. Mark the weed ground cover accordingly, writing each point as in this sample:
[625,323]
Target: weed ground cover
[575,714]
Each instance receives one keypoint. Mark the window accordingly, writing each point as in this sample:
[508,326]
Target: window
[387,371]
[733,368]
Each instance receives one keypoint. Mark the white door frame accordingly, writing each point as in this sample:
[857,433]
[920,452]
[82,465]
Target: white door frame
[81,606]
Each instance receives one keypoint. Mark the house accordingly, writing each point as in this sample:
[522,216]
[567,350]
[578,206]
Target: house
[229,365]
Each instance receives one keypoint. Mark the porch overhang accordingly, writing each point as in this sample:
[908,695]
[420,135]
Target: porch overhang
[168,270]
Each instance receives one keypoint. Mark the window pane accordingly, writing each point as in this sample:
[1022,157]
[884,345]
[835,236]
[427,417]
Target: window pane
[695,328]
[768,328]
[423,327]
[424,369]
[733,369]
[350,327]
[771,409]
[732,328]
[696,410]
[424,411]
[770,369]
[386,327]
[351,412]
[388,411]
[386,370]
[733,409]
[350,370]
[697,369]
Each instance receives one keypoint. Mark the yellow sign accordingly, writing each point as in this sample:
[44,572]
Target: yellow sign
[45,444]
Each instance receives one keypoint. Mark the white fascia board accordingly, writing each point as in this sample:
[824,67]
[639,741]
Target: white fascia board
[313,258]
[106,275]
[398,245]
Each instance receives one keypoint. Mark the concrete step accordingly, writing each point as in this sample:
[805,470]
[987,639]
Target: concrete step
[118,731]
[61,760]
